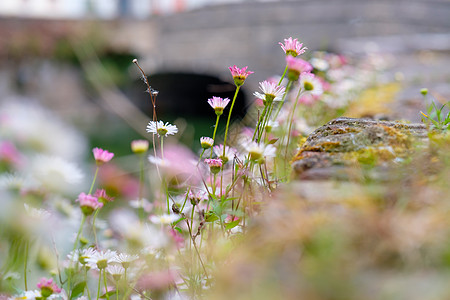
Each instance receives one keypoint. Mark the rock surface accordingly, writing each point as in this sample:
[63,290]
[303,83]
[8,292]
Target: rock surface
[344,146]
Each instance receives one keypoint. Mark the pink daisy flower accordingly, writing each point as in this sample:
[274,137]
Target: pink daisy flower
[292,47]
[102,156]
[296,66]
[239,75]
[48,287]
[218,104]
[206,142]
[88,203]
[214,164]
[102,196]
[139,146]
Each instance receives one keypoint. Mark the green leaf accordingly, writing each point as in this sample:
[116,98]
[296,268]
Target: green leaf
[272,141]
[178,229]
[211,217]
[231,225]
[178,221]
[78,289]
[110,293]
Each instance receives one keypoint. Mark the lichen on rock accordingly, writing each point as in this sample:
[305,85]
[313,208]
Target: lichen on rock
[332,149]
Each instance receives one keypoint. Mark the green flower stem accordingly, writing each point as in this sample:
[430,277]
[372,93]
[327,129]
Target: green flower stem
[25,264]
[69,278]
[288,88]
[141,186]
[258,125]
[106,285]
[99,283]
[284,74]
[229,117]
[86,280]
[83,219]
[201,155]
[93,225]
[290,120]
[93,181]
[162,147]
[214,135]
[117,290]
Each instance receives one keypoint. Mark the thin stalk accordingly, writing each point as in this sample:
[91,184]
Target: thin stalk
[214,135]
[117,290]
[93,181]
[229,117]
[106,285]
[290,120]
[99,283]
[284,74]
[25,264]
[141,187]
[86,280]
[201,155]
[288,88]
[69,278]
[260,119]
[93,226]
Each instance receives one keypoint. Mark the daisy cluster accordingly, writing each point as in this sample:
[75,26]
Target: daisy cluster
[142,226]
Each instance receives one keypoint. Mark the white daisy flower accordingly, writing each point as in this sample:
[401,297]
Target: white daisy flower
[56,173]
[310,84]
[271,92]
[116,271]
[258,152]
[161,129]
[125,259]
[230,153]
[101,259]
[164,219]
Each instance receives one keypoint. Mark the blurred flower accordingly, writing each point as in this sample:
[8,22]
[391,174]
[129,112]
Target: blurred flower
[218,104]
[177,237]
[230,153]
[81,256]
[271,125]
[88,203]
[116,271]
[157,281]
[296,66]
[319,64]
[102,196]
[9,154]
[161,129]
[139,146]
[292,47]
[28,295]
[125,259]
[48,287]
[102,156]
[206,142]
[214,164]
[197,196]
[55,173]
[163,219]
[310,84]
[239,75]
[37,213]
[32,127]
[179,164]
[258,152]
[101,259]
[141,203]
[272,92]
